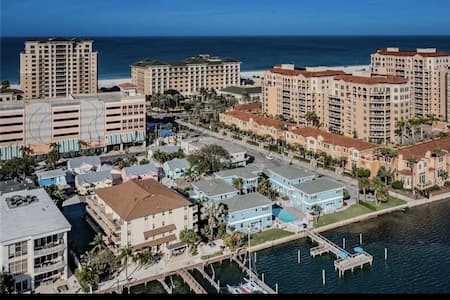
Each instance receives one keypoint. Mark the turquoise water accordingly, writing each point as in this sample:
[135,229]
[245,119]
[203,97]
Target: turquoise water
[283,215]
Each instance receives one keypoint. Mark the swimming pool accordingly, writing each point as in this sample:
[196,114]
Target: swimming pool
[283,215]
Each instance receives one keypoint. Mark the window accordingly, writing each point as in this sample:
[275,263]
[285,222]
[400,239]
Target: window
[17,249]
[129,232]
[18,267]
[146,218]
[163,223]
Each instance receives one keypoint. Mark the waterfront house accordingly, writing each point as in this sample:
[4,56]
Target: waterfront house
[166,149]
[214,189]
[150,170]
[249,176]
[56,177]
[87,183]
[142,214]
[84,164]
[324,192]
[175,168]
[248,210]
[33,239]
[284,177]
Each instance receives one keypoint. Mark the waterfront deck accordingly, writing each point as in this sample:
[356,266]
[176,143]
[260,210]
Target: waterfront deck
[254,276]
[190,280]
[345,261]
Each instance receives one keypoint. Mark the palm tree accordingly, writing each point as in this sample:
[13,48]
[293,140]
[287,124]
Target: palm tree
[143,258]
[412,123]
[363,184]
[238,184]
[312,118]
[125,254]
[97,243]
[7,283]
[53,155]
[401,125]
[89,273]
[377,186]
[385,173]
[214,213]
[5,85]
[412,161]
[191,238]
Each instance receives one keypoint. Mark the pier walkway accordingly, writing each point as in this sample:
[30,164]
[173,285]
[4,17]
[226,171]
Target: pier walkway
[345,260]
[165,286]
[190,280]
[254,276]
[207,277]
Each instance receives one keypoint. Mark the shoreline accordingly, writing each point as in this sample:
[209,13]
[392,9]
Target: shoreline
[250,74]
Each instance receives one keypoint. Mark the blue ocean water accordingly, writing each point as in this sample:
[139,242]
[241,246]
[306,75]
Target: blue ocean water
[256,53]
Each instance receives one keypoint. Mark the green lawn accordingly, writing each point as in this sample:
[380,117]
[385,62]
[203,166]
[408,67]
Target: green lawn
[356,210]
[268,235]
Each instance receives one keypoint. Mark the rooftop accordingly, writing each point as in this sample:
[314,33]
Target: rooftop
[246,172]
[178,163]
[304,72]
[200,59]
[139,198]
[372,80]
[59,39]
[93,177]
[37,218]
[8,91]
[7,186]
[230,147]
[422,52]
[214,187]
[248,106]
[168,148]
[334,139]
[247,201]
[246,116]
[419,150]
[78,161]
[290,172]
[140,170]
[319,185]
[126,85]
[51,174]
[242,90]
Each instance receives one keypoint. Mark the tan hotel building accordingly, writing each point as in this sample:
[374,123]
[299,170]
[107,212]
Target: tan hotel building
[368,108]
[141,214]
[58,67]
[292,92]
[426,70]
[100,120]
[188,76]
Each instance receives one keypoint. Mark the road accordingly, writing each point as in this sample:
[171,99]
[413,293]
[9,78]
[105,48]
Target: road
[262,162]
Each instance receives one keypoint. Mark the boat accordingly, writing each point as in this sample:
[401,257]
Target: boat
[249,286]
[269,156]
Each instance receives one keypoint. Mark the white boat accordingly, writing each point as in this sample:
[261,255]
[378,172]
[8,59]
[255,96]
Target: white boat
[269,156]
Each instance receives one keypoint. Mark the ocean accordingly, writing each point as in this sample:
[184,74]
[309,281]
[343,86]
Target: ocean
[116,54]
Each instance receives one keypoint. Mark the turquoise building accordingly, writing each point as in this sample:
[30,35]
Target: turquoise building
[47,178]
[249,176]
[175,168]
[253,210]
[283,178]
[328,194]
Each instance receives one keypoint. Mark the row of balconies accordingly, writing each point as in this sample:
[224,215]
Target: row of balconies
[49,266]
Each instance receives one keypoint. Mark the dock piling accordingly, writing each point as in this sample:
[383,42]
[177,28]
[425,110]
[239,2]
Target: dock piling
[218,286]
[276,288]
[323,276]
[343,243]
[360,238]
[262,277]
[298,256]
[385,253]
[255,257]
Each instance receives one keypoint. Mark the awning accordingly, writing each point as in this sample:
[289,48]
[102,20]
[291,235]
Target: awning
[159,230]
[176,246]
[156,242]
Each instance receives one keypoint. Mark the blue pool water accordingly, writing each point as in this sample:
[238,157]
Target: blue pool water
[283,215]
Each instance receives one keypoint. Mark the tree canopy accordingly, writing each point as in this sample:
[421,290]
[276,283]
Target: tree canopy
[209,159]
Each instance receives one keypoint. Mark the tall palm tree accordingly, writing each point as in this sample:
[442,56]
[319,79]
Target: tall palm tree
[214,213]
[124,256]
[53,155]
[143,258]
[363,184]
[401,126]
[238,184]
[377,186]
[97,243]
[412,161]
[385,173]
[412,123]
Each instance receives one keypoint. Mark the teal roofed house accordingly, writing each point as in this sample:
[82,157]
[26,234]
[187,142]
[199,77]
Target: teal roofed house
[249,176]
[175,168]
[284,177]
[248,210]
[215,189]
[47,178]
[326,193]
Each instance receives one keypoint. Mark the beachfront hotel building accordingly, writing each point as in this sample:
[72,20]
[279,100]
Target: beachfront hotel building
[292,92]
[100,120]
[368,108]
[141,214]
[58,67]
[33,239]
[427,71]
[188,76]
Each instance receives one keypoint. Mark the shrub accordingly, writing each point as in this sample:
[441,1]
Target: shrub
[252,143]
[346,194]
[398,184]
[236,137]
[447,184]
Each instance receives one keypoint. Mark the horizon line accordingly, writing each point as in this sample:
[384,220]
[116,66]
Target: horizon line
[241,35]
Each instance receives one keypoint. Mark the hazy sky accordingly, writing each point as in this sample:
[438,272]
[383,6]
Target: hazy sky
[223,17]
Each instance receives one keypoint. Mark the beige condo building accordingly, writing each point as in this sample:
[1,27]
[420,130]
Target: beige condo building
[427,71]
[292,92]
[188,76]
[58,67]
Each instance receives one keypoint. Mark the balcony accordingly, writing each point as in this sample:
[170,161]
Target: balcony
[49,249]
[106,221]
[49,266]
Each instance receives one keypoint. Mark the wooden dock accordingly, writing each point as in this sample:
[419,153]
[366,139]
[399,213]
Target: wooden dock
[165,286]
[254,276]
[190,280]
[345,261]
[207,277]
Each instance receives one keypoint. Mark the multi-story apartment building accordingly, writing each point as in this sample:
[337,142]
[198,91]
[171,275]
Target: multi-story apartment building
[101,120]
[292,92]
[188,77]
[142,214]
[33,238]
[368,108]
[7,95]
[58,67]
[426,70]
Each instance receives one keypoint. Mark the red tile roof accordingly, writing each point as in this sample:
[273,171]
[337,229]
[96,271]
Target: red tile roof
[126,85]
[296,72]
[384,51]
[418,151]
[248,106]
[372,80]
[245,116]
[406,172]
[334,139]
